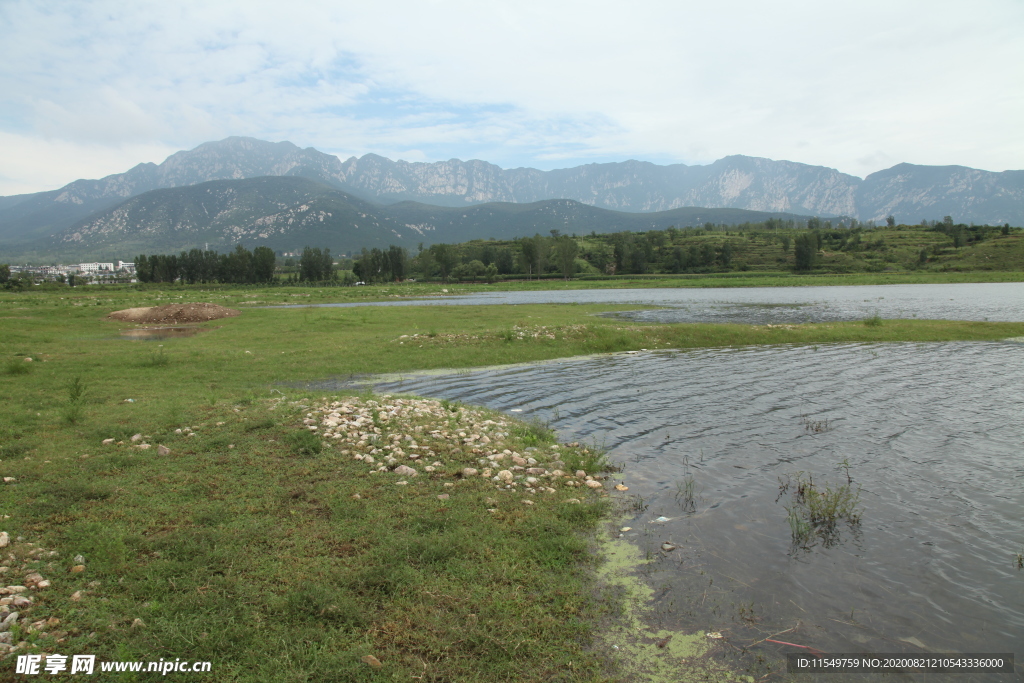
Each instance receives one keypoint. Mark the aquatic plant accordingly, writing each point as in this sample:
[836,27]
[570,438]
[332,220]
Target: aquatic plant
[815,511]
[816,426]
[686,494]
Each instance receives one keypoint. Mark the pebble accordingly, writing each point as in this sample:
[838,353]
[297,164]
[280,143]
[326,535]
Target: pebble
[469,471]
[443,496]
[370,659]
[107,442]
[76,596]
[163,450]
[668,547]
[574,501]
[594,484]
[405,471]
[136,438]
[77,569]
[5,539]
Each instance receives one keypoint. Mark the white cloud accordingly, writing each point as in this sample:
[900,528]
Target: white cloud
[31,163]
[856,86]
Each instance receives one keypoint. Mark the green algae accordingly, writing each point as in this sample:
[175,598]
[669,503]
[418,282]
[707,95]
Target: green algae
[645,654]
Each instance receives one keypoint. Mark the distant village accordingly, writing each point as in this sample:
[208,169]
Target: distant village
[115,271]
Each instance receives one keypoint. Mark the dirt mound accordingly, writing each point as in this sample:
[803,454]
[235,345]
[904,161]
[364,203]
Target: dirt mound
[174,313]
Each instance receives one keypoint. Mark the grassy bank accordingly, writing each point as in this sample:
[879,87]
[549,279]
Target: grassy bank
[246,545]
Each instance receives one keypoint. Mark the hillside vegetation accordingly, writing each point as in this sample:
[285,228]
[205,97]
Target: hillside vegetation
[773,246]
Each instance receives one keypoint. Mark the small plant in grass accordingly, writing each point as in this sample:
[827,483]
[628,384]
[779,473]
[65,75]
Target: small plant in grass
[535,433]
[17,366]
[588,459]
[156,360]
[71,411]
[873,321]
[306,442]
[815,511]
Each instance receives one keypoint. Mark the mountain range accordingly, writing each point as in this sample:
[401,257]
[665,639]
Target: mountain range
[379,187]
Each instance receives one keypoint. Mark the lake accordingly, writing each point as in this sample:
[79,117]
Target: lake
[932,437]
[1002,302]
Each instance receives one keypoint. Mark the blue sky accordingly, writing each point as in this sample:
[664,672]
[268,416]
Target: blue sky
[89,88]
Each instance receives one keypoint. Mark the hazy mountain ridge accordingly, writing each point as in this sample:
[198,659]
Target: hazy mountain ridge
[288,213]
[906,191]
[280,212]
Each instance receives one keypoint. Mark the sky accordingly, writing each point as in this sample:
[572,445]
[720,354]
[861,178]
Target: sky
[93,87]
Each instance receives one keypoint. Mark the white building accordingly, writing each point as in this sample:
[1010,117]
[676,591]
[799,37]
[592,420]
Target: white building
[97,268]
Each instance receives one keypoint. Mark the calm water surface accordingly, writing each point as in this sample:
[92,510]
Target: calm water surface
[760,305]
[932,434]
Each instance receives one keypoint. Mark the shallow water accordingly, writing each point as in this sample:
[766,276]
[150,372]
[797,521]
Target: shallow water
[932,435]
[761,305]
[158,333]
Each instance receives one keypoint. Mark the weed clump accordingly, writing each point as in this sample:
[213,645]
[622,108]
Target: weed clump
[17,366]
[305,442]
[873,321]
[71,411]
[815,511]
[156,360]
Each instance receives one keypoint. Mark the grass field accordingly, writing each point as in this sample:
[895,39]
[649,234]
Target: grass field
[246,545]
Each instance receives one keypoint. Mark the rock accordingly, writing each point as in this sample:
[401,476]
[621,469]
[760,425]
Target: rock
[79,559]
[621,487]
[143,446]
[469,472]
[668,547]
[5,539]
[518,460]
[107,442]
[33,578]
[573,501]
[490,502]
[138,623]
[370,659]
[405,471]
[9,480]
[21,601]
[9,621]
[527,502]
[401,483]
[77,569]
[16,589]
[443,496]
[595,484]
[5,637]
[76,596]
[536,470]
[43,584]
[136,438]
[505,475]
[163,450]
[580,474]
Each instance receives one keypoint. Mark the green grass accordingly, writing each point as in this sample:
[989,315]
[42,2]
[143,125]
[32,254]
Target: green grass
[245,546]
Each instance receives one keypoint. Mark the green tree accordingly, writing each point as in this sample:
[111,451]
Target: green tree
[565,254]
[446,257]
[805,251]
[890,221]
[5,273]
[264,261]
